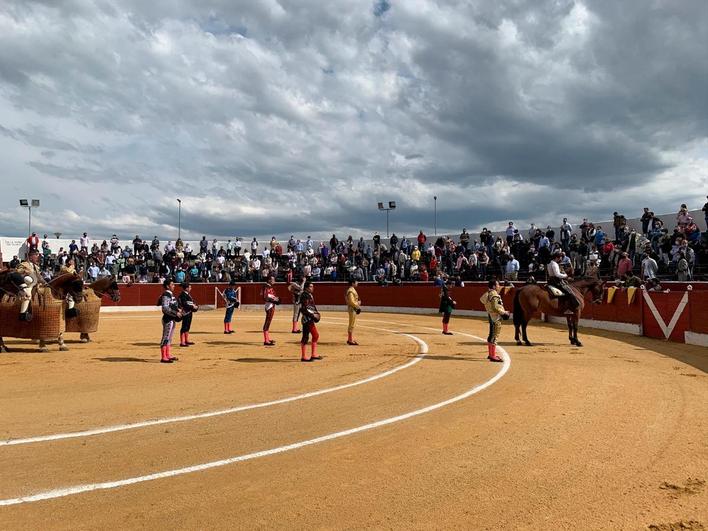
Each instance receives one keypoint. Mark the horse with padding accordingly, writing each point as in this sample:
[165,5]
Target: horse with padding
[48,314]
[89,307]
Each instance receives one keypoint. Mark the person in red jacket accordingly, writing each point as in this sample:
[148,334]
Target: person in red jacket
[421,240]
[624,266]
[271,300]
[32,242]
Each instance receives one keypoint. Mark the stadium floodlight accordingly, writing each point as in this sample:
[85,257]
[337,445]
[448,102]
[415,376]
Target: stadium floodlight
[25,203]
[179,219]
[391,206]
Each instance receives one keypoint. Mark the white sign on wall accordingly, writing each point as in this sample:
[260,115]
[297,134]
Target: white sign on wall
[10,247]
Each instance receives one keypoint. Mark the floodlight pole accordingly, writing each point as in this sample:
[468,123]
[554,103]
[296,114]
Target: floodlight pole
[179,219]
[391,206]
[29,203]
[387,211]
[435,220]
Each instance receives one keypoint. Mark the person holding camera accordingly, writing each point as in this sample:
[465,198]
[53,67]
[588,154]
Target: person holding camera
[271,300]
[492,302]
[353,309]
[310,318]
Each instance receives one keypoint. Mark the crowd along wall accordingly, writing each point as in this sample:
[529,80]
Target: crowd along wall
[680,314]
[16,245]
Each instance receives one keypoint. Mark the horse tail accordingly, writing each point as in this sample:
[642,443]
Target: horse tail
[518,310]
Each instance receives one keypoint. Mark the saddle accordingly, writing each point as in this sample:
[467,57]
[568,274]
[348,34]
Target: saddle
[554,291]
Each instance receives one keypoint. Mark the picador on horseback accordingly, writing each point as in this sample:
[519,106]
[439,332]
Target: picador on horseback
[557,279]
[568,301]
[29,276]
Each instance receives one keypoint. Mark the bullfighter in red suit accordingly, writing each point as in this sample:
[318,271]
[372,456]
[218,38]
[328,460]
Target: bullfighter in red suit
[271,300]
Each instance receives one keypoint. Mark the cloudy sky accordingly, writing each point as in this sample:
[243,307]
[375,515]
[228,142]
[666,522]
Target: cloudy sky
[297,116]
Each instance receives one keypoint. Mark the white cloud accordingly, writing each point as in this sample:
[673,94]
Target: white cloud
[257,112]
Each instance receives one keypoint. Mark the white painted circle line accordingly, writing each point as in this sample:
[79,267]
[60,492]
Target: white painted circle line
[168,420]
[79,489]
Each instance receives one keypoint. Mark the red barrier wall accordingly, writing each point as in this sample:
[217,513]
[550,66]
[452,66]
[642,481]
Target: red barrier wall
[148,294]
[693,316]
[698,313]
[658,316]
[618,311]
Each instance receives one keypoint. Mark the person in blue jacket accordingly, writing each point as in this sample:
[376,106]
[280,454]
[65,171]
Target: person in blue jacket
[232,296]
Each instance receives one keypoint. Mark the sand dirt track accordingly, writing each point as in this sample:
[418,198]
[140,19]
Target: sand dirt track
[610,436]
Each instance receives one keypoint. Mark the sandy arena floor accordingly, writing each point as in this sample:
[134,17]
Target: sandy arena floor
[610,436]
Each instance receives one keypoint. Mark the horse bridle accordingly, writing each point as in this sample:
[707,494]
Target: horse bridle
[113,293]
[598,299]
[56,291]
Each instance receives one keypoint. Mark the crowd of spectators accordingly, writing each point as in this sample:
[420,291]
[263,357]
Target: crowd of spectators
[614,252]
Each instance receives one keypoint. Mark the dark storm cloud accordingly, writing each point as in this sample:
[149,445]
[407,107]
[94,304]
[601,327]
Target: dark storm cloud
[554,139]
[406,220]
[380,7]
[284,116]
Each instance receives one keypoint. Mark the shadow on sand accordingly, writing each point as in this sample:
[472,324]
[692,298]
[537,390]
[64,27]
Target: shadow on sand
[264,360]
[691,355]
[123,359]
[451,358]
